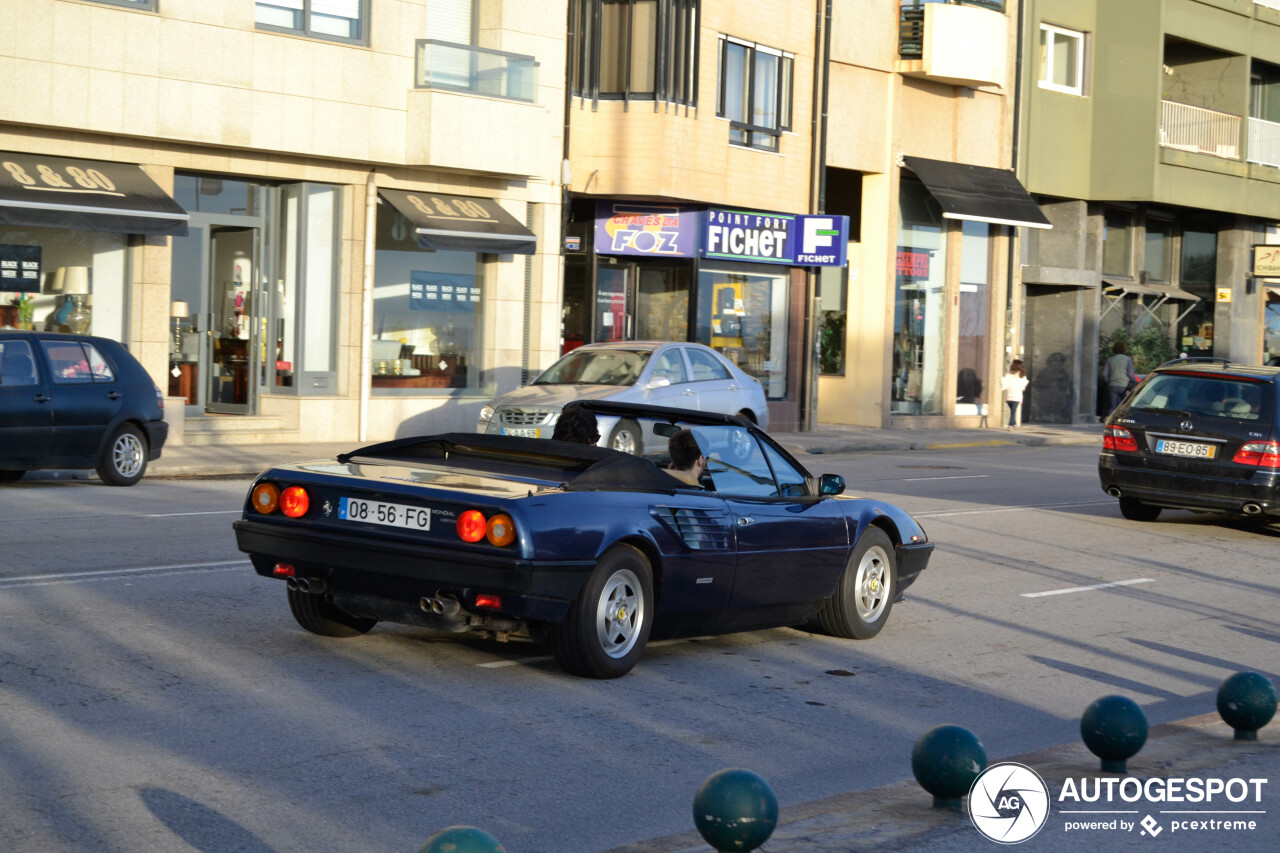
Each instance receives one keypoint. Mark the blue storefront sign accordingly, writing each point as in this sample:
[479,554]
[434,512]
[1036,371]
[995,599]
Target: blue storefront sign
[647,230]
[774,238]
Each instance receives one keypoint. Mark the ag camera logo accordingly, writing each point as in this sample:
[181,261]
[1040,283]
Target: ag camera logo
[1009,803]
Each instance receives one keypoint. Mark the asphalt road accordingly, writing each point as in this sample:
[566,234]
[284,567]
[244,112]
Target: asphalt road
[157,695]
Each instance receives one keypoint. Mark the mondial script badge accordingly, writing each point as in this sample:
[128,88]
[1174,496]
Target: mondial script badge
[1009,802]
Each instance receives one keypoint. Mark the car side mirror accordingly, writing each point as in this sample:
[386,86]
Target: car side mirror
[658,382]
[831,484]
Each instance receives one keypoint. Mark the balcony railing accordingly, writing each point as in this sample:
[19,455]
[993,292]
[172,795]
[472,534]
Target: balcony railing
[911,22]
[1264,142]
[1196,129]
[463,68]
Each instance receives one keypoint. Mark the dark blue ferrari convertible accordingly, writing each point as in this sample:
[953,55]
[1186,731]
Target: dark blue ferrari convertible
[587,549]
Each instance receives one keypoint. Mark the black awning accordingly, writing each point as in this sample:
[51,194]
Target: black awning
[1121,288]
[84,195]
[979,193]
[461,223]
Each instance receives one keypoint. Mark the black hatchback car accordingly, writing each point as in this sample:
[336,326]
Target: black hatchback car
[75,401]
[1196,434]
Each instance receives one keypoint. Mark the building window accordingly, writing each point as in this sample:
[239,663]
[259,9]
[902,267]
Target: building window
[427,314]
[147,5]
[920,304]
[337,20]
[1061,60]
[755,93]
[1157,256]
[635,50]
[975,294]
[1117,243]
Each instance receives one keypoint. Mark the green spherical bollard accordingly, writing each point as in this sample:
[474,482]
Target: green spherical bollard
[1247,702]
[1114,728]
[735,810]
[945,761]
[462,839]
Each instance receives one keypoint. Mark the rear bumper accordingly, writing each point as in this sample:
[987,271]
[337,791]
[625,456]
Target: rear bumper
[402,573]
[1189,491]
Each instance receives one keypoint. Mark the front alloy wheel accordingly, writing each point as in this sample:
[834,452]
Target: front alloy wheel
[864,596]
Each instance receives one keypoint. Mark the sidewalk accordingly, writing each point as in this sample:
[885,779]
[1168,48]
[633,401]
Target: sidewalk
[246,460]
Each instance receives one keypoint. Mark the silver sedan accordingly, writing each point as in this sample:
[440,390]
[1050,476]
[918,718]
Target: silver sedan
[657,373]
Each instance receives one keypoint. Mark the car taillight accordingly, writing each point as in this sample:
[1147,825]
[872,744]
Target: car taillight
[471,526]
[159,395]
[1118,438]
[265,498]
[1263,454]
[488,602]
[500,530]
[294,502]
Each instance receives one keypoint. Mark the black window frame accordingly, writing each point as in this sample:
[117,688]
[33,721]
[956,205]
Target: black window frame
[306,31]
[140,5]
[675,52]
[746,134]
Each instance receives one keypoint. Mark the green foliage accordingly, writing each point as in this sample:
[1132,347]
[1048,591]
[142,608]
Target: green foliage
[831,342]
[1149,347]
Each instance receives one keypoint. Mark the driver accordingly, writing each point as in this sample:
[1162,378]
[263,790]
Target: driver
[687,460]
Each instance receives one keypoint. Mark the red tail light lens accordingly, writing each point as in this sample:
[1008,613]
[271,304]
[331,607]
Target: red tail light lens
[283,570]
[1263,454]
[266,498]
[501,530]
[1118,438]
[294,502]
[471,526]
[488,602]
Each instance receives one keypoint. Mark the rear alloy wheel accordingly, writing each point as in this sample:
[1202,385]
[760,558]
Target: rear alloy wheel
[11,476]
[320,616]
[605,631]
[125,459]
[626,438]
[864,596]
[1135,510]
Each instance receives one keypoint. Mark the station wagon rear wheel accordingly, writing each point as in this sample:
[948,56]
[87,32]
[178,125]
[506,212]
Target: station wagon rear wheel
[320,616]
[125,459]
[607,627]
[1135,510]
[864,596]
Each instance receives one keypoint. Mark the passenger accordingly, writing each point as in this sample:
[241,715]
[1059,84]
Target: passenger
[578,425]
[687,461]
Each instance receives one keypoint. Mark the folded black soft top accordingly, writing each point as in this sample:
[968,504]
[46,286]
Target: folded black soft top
[583,467]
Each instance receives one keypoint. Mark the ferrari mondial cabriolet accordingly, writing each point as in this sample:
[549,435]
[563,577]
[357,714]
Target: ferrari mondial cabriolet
[591,551]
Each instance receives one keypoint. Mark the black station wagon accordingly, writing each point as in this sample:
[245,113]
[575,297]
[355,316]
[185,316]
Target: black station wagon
[76,401]
[1196,434]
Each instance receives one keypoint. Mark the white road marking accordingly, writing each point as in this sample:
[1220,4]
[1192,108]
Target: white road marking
[121,574]
[990,509]
[206,512]
[1086,588]
[952,477]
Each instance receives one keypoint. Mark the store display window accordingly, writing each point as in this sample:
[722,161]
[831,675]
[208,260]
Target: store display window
[744,314]
[919,312]
[82,281]
[427,313]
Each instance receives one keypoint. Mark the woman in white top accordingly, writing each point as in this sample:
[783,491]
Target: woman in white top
[1012,384]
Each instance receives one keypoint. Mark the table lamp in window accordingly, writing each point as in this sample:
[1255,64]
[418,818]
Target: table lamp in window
[76,286]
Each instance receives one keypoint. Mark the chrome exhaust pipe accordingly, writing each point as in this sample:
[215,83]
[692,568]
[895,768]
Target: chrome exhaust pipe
[441,605]
[1114,491]
[310,586]
[1252,509]
[293,584]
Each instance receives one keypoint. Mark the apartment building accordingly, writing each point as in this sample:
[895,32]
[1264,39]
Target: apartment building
[921,106]
[309,219]
[1150,134]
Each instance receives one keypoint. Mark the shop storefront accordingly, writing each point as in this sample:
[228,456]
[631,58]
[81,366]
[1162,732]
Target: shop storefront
[66,226]
[733,280]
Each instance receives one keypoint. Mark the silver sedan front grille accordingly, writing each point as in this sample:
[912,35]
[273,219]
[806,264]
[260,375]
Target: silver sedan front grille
[525,417]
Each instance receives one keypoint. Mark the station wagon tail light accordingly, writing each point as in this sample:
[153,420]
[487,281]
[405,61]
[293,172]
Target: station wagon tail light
[1118,438]
[266,498]
[488,602]
[500,530]
[1263,454]
[471,526]
[294,502]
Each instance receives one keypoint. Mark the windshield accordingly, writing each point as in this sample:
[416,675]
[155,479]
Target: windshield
[595,367]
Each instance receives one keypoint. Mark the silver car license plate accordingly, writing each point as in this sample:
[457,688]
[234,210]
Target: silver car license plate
[522,432]
[392,515]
